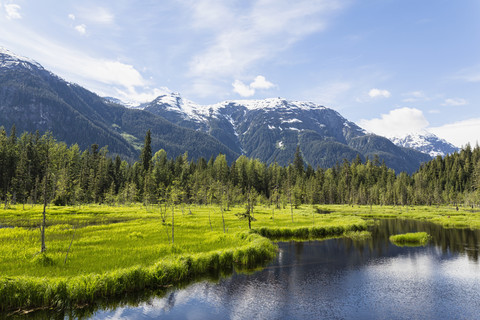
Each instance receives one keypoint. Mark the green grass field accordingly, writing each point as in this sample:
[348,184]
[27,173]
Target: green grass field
[128,248]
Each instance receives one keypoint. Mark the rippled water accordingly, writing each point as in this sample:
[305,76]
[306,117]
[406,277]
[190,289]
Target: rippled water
[340,279]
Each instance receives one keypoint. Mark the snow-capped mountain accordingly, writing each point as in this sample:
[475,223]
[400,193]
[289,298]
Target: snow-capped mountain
[271,129]
[426,142]
[32,98]
[9,60]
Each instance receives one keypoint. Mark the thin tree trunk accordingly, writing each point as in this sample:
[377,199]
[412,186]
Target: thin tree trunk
[291,206]
[44,220]
[223,219]
[210,221]
[73,236]
[173,224]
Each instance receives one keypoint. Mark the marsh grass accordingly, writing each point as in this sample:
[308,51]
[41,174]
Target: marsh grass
[414,239]
[126,249]
[119,250]
[358,235]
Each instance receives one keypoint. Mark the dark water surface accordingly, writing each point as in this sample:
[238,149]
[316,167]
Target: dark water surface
[340,279]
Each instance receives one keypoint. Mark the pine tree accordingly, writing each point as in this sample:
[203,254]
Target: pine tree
[298,163]
[146,155]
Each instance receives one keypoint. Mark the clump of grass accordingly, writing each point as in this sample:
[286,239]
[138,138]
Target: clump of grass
[415,239]
[135,235]
[372,222]
[42,259]
[304,233]
[358,235]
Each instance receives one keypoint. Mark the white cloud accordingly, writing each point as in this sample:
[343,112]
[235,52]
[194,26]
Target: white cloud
[397,122]
[470,74]
[131,94]
[96,15]
[242,89]
[102,75]
[71,16]
[455,102]
[12,11]
[376,93]
[402,121]
[459,133]
[81,28]
[238,37]
[328,94]
[261,83]
[415,96]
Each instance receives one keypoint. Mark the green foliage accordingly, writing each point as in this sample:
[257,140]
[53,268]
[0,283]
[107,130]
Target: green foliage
[410,239]
[358,235]
[127,248]
[43,260]
[91,176]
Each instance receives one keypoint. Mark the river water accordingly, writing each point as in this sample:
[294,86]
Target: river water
[339,279]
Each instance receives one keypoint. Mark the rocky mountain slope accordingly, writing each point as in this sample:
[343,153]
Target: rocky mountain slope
[271,129]
[33,99]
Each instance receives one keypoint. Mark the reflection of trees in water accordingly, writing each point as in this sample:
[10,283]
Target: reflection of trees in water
[464,241]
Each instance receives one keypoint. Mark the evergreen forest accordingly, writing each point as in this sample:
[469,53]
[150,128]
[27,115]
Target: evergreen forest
[36,168]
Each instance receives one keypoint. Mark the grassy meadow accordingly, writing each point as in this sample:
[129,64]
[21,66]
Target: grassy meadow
[100,251]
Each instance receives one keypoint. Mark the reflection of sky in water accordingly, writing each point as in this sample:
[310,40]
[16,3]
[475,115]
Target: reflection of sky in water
[337,279]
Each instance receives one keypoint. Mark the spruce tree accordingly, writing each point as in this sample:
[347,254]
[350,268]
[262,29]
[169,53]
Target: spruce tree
[146,155]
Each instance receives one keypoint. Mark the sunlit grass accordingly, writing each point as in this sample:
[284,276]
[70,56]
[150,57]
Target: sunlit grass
[410,239]
[358,235]
[128,248]
[108,238]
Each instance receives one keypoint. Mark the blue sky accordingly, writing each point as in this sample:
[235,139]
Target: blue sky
[392,66]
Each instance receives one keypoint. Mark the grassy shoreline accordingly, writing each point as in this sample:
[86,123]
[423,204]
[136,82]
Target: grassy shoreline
[66,292]
[123,249]
[117,250]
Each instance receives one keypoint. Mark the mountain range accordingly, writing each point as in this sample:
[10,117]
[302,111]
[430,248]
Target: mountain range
[33,98]
[271,130]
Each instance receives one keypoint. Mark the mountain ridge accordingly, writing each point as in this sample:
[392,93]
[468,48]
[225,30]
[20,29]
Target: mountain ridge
[270,129]
[33,99]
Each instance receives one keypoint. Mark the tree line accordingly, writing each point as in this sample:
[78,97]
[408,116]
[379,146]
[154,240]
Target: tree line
[36,168]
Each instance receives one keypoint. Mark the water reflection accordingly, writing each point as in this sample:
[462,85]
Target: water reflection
[338,279]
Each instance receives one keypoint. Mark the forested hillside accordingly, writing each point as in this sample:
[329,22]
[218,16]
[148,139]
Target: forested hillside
[34,167]
[32,98]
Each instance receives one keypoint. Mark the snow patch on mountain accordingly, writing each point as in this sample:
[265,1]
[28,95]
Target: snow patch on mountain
[130,105]
[425,142]
[10,60]
[174,102]
[292,121]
